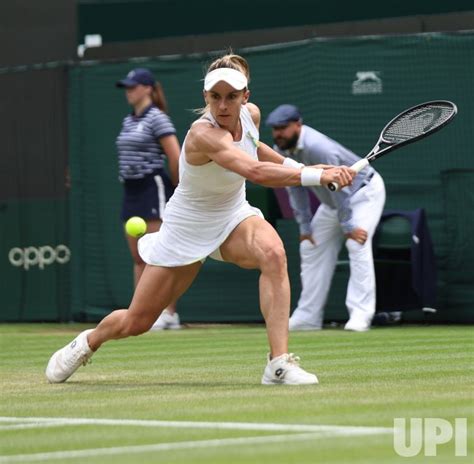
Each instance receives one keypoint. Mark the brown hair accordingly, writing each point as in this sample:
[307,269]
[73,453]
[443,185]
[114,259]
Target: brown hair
[158,97]
[232,61]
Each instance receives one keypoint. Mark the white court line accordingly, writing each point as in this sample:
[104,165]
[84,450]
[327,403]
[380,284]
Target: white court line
[155,447]
[311,432]
[264,427]
[33,425]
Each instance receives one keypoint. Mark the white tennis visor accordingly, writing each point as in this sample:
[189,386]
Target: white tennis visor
[233,77]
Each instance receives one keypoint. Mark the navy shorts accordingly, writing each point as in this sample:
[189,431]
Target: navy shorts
[146,197]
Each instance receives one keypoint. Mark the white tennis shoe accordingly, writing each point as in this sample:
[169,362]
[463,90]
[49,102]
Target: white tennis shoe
[354,325]
[285,370]
[167,321]
[296,325]
[68,359]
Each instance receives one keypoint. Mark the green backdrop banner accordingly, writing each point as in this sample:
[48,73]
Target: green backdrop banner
[35,261]
[346,88]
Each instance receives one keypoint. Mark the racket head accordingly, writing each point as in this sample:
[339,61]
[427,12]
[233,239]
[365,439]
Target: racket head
[418,121]
[410,125]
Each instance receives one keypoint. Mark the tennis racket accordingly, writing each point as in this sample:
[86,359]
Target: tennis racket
[410,125]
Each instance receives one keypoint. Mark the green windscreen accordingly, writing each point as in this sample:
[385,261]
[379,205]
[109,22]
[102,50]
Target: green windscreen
[346,88]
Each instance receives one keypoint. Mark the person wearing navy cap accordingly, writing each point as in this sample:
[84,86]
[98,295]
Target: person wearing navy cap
[139,76]
[351,214]
[283,115]
[147,137]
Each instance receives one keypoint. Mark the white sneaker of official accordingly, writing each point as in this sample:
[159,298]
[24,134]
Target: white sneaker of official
[354,325]
[285,370]
[296,325]
[68,359]
[167,320]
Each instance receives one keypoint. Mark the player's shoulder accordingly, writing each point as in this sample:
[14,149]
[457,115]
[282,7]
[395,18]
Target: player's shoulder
[254,111]
[202,132]
[200,125]
[253,108]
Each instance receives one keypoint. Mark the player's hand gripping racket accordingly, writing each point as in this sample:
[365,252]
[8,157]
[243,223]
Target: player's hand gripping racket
[411,125]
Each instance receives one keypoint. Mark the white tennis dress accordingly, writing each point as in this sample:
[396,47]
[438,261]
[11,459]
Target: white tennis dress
[205,208]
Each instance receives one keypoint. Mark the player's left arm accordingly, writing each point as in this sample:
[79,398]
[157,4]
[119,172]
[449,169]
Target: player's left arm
[254,111]
[266,153]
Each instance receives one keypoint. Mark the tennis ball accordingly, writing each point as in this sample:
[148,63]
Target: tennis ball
[135,226]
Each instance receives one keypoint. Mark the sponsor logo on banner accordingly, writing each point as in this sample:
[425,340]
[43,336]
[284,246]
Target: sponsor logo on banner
[367,83]
[40,257]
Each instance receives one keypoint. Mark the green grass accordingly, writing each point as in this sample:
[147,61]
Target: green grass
[213,374]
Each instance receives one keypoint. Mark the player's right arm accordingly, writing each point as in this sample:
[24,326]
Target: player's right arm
[207,143]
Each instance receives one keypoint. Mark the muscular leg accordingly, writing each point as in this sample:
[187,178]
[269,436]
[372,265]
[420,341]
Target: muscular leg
[138,263]
[157,287]
[254,244]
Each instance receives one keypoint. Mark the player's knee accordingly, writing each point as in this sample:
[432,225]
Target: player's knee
[274,258]
[133,326]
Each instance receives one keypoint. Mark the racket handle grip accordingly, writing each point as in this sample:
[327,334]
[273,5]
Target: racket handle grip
[357,167]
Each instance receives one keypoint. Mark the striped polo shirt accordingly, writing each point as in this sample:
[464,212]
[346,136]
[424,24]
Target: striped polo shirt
[138,144]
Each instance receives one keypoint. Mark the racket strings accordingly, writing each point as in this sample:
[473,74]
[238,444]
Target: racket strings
[417,122]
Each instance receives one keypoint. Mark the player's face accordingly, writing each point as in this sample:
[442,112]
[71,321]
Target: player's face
[286,136]
[135,95]
[225,103]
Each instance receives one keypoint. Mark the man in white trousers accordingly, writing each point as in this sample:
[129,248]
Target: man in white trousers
[349,215]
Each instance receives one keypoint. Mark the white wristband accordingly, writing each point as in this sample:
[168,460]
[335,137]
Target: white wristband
[311,176]
[291,163]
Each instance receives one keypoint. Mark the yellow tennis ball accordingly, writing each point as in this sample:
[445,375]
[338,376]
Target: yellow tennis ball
[135,226]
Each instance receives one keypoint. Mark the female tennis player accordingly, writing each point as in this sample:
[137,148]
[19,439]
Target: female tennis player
[146,138]
[208,215]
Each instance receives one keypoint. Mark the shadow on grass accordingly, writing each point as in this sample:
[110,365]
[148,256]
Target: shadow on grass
[181,384]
